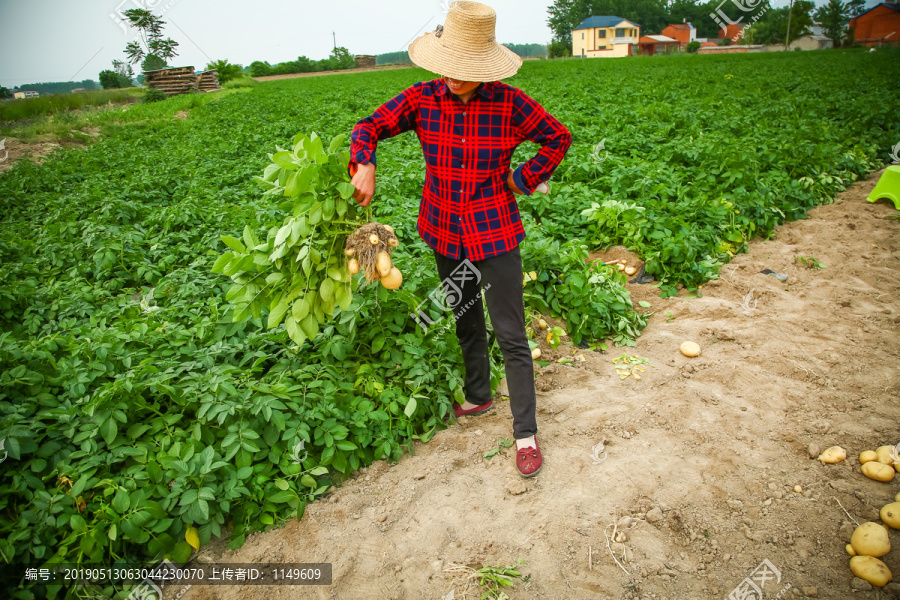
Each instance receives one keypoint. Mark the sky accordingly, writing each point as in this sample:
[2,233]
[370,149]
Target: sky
[55,40]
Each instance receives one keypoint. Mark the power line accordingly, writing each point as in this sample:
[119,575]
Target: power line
[406,45]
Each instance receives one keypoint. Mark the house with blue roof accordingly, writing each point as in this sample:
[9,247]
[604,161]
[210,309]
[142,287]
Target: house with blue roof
[605,37]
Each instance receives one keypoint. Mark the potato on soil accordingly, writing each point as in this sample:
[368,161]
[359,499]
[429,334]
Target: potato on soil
[690,349]
[871,539]
[867,456]
[536,353]
[890,514]
[850,550]
[885,455]
[833,455]
[871,569]
[878,471]
[360,246]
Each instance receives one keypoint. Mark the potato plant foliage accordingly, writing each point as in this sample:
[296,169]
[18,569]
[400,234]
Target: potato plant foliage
[299,272]
[143,394]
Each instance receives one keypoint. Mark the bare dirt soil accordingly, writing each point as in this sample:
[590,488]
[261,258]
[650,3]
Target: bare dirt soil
[14,149]
[702,455]
[317,73]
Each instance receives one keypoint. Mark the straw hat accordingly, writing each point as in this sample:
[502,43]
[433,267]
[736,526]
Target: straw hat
[465,47]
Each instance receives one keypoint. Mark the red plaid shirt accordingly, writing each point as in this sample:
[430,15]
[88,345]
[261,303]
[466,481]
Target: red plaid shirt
[466,201]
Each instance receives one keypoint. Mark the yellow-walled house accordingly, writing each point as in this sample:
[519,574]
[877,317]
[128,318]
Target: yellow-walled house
[605,37]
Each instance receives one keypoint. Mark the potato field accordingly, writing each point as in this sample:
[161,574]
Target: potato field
[185,356]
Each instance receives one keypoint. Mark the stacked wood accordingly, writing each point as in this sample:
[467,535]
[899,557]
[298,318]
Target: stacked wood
[209,81]
[364,61]
[182,80]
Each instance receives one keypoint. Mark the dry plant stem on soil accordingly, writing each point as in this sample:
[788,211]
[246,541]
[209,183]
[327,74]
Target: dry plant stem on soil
[615,526]
[464,573]
[365,252]
[845,511]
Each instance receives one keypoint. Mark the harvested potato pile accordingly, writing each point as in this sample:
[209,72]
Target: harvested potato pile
[369,250]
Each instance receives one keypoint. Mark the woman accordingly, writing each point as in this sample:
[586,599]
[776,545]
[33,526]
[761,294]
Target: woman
[469,124]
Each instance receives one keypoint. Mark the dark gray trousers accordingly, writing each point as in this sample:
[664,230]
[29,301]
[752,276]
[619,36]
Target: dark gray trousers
[501,285]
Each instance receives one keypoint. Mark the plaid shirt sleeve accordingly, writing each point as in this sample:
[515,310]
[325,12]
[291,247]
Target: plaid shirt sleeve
[539,126]
[392,118]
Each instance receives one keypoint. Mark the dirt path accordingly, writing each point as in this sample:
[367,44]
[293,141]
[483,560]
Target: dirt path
[317,73]
[703,454]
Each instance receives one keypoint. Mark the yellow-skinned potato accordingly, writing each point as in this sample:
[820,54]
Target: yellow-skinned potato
[890,514]
[884,455]
[353,266]
[383,263]
[536,353]
[871,569]
[878,471]
[833,455]
[867,456]
[393,279]
[690,349]
[850,550]
[870,539]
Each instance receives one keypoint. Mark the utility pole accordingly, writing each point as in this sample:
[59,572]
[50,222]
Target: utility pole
[334,39]
[787,35]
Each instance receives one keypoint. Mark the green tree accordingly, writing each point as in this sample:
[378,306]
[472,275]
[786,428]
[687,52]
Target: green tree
[693,47]
[340,59]
[559,49]
[153,63]
[5,93]
[856,8]
[150,40]
[393,57]
[528,50]
[124,72]
[259,68]
[225,70]
[771,28]
[564,16]
[697,14]
[833,17]
[109,80]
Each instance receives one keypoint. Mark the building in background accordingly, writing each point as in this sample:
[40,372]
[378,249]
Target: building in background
[812,42]
[605,37]
[732,30]
[657,44]
[24,94]
[685,33]
[878,25]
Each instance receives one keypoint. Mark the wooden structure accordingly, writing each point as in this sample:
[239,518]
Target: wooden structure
[182,80]
[364,61]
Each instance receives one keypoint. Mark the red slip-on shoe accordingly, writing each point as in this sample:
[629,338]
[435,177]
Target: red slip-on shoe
[529,460]
[459,412]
